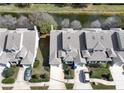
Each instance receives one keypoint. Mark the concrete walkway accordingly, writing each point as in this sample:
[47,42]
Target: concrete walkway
[102,81]
[20,83]
[78,81]
[117,75]
[56,77]
[1,77]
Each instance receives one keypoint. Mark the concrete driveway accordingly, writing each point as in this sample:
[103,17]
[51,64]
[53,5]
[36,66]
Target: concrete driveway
[78,80]
[1,77]
[20,84]
[117,75]
[56,77]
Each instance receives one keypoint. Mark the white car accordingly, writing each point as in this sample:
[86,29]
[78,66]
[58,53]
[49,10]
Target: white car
[87,78]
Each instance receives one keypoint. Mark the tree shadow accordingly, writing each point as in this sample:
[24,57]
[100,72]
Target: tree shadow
[44,47]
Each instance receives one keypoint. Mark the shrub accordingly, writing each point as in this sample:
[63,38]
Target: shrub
[36,64]
[69,85]
[8,80]
[34,80]
[22,5]
[23,22]
[35,76]
[95,24]
[8,21]
[76,25]
[8,72]
[65,23]
[43,21]
[111,22]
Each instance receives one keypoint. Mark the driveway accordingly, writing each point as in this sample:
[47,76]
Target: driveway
[56,77]
[117,75]
[20,84]
[78,81]
[1,70]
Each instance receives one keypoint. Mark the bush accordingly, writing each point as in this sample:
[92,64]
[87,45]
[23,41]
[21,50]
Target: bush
[36,64]
[8,72]
[8,21]
[34,80]
[111,22]
[65,23]
[8,80]
[35,76]
[43,21]
[23,22]
[22,5]
[69,85]
[95,24]
[76,25]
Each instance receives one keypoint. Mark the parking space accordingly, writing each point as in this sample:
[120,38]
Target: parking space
[118,76]
[20,83]
[1,70]
[56,77]
[78,80]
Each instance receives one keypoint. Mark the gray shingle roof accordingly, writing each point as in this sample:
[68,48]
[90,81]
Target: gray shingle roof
[94,44]
[120,38]
[98,56]
[23,41]
[13,41]
[102,38]
[85,53]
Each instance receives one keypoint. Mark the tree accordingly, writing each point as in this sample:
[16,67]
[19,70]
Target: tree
[76,25]
[65,23]
[95,24]
[23,22]
[79,5]
[22,5]
[8,21]
[111,22]
[43,21]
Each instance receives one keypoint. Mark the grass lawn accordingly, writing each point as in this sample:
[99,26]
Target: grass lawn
[66,9]
[69,86]
[39,87]
[42,57]
[97,72]
[7,88]
[101,86]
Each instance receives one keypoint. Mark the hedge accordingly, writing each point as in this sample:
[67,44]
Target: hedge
[8,81]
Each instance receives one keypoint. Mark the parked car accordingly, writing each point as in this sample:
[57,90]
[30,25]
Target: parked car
[87,79]
[27,74]
[85,76]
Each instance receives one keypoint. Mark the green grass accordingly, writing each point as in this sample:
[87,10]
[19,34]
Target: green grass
[98,71]
[69,86]
[68,71]
[39,87]
[101,86]
[42,57]
[66,9]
